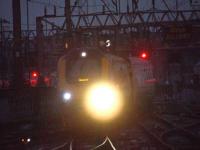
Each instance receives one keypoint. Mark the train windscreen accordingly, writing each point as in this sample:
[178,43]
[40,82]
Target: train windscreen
[83,68]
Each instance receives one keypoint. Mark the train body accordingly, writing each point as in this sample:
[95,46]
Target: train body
[96,85]
[143,83]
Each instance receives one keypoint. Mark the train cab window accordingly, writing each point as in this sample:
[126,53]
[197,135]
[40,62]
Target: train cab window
[78,67]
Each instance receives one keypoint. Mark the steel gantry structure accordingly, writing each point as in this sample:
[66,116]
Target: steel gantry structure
[152,18]
[117,17]
[124,22]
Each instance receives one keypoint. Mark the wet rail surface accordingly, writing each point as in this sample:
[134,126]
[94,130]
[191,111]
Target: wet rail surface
[169,134]
[153,132]
[169,128]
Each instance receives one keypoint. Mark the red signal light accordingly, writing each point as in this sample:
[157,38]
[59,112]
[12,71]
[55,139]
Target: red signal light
[144,55]
[34,74]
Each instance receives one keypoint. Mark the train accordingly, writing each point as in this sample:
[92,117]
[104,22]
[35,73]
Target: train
[97,86]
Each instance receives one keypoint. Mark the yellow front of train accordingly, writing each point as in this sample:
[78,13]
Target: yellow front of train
[87,88]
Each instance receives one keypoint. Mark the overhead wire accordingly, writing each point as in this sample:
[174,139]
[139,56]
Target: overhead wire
[46,4]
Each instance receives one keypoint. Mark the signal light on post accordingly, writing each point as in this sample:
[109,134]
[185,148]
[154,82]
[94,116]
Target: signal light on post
[34,78]
[144,55]
[34,74]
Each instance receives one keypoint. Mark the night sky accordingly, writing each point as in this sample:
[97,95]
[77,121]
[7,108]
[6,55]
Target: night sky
[36,8]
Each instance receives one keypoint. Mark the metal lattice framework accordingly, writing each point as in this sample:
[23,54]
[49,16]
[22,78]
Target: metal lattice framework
[140,18]
[113,15]
[115,21]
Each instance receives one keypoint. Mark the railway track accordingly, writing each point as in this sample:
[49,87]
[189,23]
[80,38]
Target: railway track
[159,131]
[169,134]
[153,133]
[177,125]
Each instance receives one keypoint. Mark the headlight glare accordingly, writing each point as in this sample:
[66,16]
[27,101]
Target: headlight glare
[103,101]
[67,96]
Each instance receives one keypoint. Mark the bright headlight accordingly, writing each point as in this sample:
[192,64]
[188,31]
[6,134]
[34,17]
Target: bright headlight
[67,96]
[103,102]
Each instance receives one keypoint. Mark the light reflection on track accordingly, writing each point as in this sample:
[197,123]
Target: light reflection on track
[161,131]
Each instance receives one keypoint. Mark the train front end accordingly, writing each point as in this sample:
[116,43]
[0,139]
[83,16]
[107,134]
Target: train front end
[87,94]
